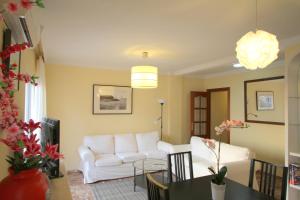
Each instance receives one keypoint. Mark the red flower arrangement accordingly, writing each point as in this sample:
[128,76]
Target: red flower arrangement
[14,6]
[20,136]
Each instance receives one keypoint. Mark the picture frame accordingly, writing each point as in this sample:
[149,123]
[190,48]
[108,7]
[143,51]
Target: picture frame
[264,100]
[252,112]
[112,99]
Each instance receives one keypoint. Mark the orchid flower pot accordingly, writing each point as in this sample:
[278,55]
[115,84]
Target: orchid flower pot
[25,185]
[218,191]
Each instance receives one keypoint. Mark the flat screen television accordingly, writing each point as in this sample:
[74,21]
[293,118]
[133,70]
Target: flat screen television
[50,134]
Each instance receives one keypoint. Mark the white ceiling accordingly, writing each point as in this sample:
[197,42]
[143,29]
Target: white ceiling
[181,36]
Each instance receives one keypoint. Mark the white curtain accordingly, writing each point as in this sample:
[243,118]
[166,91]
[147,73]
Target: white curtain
[35,96]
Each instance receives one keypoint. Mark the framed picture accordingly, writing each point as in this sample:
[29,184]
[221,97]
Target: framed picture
[264,100]
[112,99]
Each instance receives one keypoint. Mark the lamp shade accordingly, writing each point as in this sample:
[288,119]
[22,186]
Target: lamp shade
[257,50]
[144,77]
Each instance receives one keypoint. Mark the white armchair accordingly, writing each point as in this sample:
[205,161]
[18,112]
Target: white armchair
[236,158]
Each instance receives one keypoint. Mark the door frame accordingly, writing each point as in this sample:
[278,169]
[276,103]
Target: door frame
[209,91]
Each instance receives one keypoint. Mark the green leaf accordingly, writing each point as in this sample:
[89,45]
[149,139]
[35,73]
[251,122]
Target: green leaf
[212,170]
[11,93]
[3,85]
[21,143]
[219,179]
[40,3]
[10,161]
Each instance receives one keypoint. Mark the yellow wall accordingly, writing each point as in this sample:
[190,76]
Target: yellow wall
[267,141]
[218,112]
[27,66]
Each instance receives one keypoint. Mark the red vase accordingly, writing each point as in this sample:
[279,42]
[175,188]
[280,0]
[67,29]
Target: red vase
[29,184]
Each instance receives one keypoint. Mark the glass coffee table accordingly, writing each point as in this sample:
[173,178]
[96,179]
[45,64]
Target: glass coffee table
[155,166]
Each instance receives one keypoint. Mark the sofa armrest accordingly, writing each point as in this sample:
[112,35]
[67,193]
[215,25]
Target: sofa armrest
[233,153]
[181,148]
[169,148]
[86,155]
[164,146]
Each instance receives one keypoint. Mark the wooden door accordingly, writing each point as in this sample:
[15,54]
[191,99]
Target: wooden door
[200,114]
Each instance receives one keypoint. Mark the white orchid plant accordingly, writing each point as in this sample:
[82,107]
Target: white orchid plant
[224,127]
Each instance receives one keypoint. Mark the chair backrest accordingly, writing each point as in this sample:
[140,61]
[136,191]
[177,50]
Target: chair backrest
[179,161]
[156,190]
[267,179]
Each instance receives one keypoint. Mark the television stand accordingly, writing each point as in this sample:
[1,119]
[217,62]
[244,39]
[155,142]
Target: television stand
[59,176]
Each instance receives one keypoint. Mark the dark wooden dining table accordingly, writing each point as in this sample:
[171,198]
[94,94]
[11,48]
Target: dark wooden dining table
[200,189]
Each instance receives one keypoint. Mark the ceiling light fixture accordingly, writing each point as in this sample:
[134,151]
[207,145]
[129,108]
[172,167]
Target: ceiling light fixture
[145,76]
[257,49]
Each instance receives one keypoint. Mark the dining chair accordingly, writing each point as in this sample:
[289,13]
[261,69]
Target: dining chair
[177,166]
[156,190]
[267,179]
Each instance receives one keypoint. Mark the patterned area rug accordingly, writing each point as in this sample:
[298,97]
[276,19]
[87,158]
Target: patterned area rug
[106,190]
[118,189]
[79,190]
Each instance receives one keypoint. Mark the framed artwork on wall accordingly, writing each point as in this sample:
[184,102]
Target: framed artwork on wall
[112,99]
[264,100]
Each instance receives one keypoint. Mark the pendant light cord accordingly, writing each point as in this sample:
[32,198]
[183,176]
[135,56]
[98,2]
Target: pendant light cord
[145,54]
[256,13]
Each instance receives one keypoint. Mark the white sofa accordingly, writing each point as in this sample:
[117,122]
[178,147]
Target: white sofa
[106,157]
[237,159]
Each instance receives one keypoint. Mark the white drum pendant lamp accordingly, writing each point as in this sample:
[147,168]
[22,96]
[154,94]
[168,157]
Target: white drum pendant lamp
[144,76]
[257,49]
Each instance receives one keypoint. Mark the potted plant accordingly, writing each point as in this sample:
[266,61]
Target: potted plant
[218,184]
[26,159]
[25,179]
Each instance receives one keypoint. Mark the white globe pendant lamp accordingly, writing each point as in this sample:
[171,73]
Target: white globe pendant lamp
[144,76]
[257,49]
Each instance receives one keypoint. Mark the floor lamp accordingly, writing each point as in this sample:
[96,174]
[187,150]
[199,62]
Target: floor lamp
[161,102]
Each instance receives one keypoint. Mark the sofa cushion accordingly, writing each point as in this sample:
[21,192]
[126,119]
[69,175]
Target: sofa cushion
[147,141]
[232,153]
[156,155]
[100,144]
[200,149]
[107,160]
[130,157]
[125,143]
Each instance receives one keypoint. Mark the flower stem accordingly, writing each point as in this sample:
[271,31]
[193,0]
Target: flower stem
[219,150]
